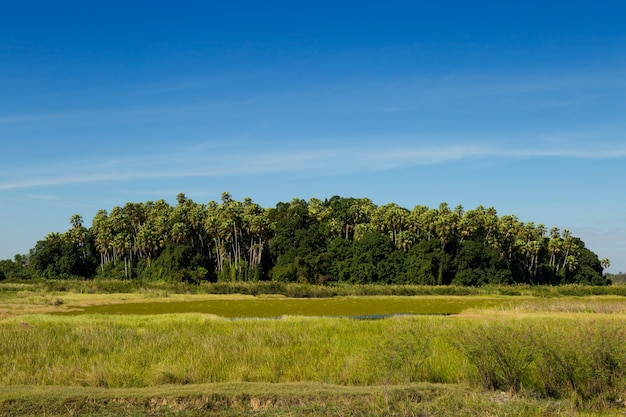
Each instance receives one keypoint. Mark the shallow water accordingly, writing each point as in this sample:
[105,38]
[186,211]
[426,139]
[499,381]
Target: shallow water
[357,307]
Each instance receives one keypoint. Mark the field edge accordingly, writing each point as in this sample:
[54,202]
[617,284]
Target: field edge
[280,399]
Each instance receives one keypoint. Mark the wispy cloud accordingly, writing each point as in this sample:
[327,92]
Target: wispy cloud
[199,162]
[43,197]
[341,160]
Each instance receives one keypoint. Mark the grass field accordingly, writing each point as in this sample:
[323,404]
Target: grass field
[499,356]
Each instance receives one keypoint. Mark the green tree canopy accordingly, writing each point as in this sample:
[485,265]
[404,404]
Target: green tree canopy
[337,239]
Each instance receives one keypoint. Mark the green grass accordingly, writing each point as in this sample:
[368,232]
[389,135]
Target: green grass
[522,356]
[104,286]
[580,357]
[261,399]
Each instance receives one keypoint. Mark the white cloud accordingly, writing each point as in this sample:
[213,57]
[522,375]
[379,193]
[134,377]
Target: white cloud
[199,162]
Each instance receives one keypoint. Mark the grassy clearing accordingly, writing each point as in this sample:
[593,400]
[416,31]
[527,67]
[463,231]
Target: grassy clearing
[580,358]
[525,356]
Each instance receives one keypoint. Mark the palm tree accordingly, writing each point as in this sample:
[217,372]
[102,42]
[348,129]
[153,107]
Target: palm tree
[78,233]
[568,246]
[554,246]
[391,219]
[103,237]
[212,230]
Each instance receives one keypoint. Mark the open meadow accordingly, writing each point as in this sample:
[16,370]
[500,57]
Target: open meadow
[161,352]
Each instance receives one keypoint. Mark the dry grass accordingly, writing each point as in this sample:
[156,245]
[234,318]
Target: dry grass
[28,302]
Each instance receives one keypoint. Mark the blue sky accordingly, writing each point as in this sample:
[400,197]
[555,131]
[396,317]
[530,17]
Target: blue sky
[516,105]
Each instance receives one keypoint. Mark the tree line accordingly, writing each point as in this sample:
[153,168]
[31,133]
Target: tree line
[317,241]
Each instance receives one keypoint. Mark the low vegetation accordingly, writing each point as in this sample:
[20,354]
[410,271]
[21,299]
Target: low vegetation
[294,290]
[619,278]
[541,354]
[562,357]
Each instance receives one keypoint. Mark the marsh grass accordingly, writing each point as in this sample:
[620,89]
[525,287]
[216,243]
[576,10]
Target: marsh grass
[580,358]
[110,286]
[550,352]
[594,305]
[500,354]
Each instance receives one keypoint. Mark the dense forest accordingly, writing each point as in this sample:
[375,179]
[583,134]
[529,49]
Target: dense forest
[320,241]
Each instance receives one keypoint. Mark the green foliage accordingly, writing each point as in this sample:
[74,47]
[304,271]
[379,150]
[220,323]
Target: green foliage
[340,239]
[60,255]
[428,264]
[8,269]
[297,245]
[371,259]
[177,263]
[477,264]
[589,269]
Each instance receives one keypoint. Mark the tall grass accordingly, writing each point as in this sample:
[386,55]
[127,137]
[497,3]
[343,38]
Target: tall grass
[581,357]
[132,351]
[99,286]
